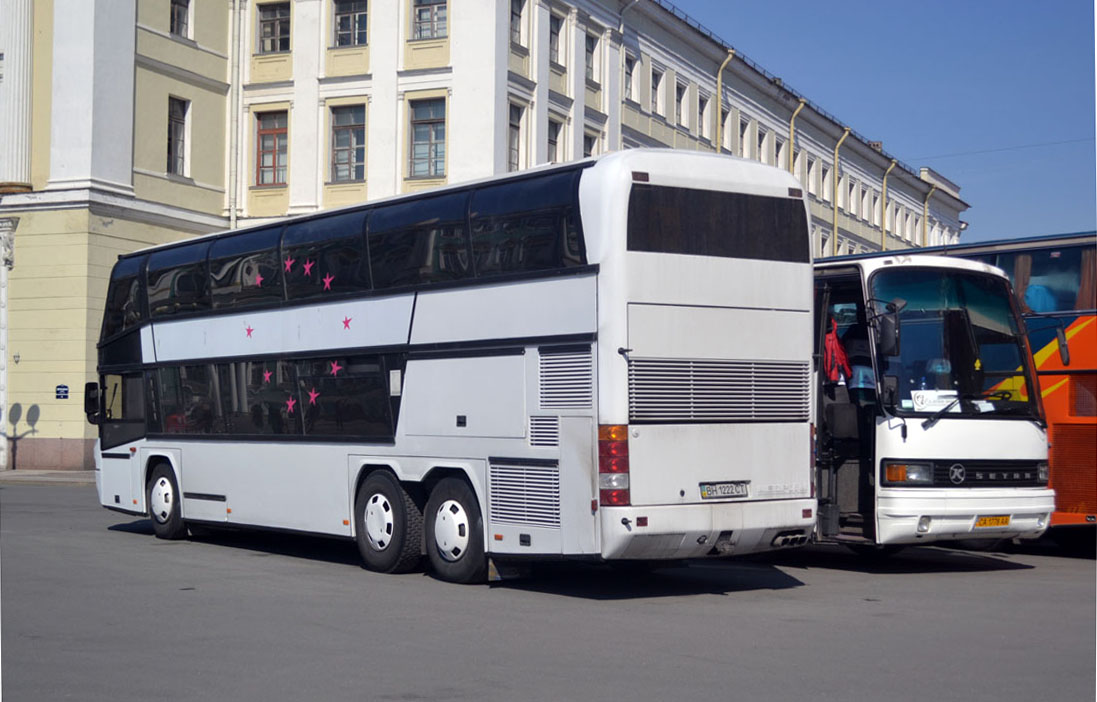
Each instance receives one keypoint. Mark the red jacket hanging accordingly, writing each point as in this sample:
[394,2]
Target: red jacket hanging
[834,356]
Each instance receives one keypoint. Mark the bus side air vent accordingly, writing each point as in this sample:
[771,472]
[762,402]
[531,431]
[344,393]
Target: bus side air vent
[566,378]
[544,431]
[526,495]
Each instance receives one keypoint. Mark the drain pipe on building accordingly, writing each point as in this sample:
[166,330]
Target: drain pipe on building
[884,209]
[834,194]
[925,214]
[719,132]
[234,121]
[792,137]
[8,226]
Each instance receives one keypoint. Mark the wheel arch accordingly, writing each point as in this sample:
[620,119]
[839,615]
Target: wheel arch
[151,460]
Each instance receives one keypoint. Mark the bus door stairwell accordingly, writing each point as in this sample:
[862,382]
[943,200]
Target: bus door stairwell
[847,401]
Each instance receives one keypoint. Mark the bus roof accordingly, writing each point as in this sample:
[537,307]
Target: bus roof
[870,263]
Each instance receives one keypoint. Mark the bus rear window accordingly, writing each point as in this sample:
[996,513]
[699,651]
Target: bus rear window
[709,223]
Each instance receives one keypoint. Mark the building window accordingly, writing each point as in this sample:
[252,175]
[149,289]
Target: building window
[516,7]
[430,19]
[177,136]
[630,70]
[554,130]
[680,104]
[656,88]
[180,18]
[428,139]
[854,199]
[590,145]
[348,143]
[702,117]
[744,136]
[556,24]
[274,28]
[763,157]
[514,139]
[813,172]
[781,160]
[270,160]
[350,22]
[592,55]
[826,184]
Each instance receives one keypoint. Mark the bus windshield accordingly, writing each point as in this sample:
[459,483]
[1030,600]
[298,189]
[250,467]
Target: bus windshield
[961,350]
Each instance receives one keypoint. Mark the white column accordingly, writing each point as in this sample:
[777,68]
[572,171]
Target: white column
[539,49]
[91,128]
[305,123]
[16,26]
[611,88]
[384,137]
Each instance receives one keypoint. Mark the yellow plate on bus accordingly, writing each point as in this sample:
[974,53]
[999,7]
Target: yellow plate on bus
[992,521]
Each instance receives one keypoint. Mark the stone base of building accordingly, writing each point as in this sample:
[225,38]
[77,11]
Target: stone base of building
[51,454]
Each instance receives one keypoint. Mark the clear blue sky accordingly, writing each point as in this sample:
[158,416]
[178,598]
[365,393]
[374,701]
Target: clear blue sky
[996,96]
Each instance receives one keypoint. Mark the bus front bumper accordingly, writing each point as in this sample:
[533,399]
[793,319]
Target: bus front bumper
[910,516]
[704,530]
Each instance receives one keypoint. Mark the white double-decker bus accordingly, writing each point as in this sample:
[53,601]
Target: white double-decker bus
[608,359]
[930,422]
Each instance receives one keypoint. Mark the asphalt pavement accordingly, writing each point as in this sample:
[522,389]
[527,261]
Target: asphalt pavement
[95,608]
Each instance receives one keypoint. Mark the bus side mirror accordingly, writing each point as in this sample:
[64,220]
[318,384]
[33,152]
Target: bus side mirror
[91,402]
[890,391]
[887,333]
[1064,348]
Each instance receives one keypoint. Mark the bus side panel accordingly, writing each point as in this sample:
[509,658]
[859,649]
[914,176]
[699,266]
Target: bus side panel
[117,479]
[471,397]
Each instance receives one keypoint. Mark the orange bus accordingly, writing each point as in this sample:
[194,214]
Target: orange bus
[1055,281]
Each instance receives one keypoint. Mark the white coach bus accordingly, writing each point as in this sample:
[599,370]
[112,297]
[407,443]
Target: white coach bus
[608,359]
[930,425]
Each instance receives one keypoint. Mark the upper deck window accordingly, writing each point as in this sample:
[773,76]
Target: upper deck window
[709,223]
[124,303]
[244,269]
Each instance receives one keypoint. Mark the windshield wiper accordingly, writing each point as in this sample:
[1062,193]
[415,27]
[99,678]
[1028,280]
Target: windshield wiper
[996,395]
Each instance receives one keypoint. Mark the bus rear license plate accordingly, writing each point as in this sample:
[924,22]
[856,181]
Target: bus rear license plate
[732,488]
[990,522]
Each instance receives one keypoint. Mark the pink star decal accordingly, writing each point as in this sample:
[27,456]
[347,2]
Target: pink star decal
[248,331]
[266,376]
[346,322]
[335,368]
[327,281]
[258,280]
[308,267]
[312,396]
[289,263]
[289,405]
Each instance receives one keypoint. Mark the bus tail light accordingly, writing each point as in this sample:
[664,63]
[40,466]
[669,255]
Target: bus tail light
[613,473]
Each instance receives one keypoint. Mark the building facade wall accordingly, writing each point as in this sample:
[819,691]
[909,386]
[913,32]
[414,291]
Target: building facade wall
[568,78]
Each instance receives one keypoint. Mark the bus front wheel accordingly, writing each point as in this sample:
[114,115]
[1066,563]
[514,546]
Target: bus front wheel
[162,497]
[455,533]
[388,524]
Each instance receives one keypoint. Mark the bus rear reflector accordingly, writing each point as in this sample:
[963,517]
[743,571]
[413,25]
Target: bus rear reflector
[613,474]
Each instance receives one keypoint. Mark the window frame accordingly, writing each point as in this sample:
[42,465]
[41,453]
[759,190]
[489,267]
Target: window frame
[178,163]
[516,22]
[357,143]
[281,138]
[593,68]
[436,24]
[281,24]
[515,117]
[432,143]
[555,45]
[354,15]
[179,23]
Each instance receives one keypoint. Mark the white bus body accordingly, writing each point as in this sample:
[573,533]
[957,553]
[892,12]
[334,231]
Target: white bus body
[947,441]
[693,369]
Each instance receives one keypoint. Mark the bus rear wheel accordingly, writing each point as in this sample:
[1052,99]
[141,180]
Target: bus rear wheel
[162,497]
[455,533]
[388,524]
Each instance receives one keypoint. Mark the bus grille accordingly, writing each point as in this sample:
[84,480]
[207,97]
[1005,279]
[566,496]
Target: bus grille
[685,390]
[525,495]
[567,379]
[1072,472]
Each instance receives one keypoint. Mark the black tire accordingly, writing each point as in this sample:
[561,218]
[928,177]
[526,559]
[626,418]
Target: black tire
[876,553]
[394,543]
[166,513]
[455,533]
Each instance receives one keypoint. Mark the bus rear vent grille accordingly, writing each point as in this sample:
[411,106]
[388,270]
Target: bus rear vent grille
[685,390]
[544,431]
[525,495]
[567,380]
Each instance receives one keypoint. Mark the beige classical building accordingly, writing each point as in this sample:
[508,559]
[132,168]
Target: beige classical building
[125,123]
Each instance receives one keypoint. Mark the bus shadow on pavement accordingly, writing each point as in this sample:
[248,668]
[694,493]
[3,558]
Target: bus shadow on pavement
[913,559]
[260,542]
[602,582]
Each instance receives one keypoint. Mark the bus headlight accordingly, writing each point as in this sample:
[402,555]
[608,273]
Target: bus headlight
[1041,473]
[905,473]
